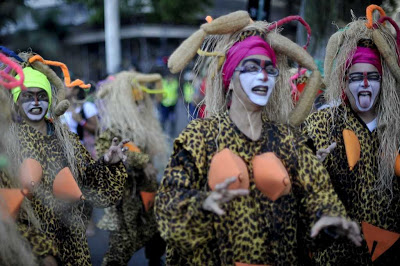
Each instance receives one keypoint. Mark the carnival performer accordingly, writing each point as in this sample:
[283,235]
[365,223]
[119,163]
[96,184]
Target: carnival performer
[127,111]
[239,182]
[22,244]
[56,172]
[362,122]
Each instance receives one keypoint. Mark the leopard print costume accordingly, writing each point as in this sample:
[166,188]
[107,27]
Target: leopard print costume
[41,246]
[64,223]
[130,225]
[355,188]
[254,229]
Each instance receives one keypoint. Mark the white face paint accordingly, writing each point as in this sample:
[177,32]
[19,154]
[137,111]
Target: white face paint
[257,88]
[35,112]
[34,103]
[363,94]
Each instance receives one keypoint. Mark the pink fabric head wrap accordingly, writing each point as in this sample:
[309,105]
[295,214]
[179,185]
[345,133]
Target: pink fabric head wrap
[253,45]
[367,55]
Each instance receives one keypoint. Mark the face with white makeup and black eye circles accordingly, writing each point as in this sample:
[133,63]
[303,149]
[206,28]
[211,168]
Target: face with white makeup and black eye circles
[33,104]
[255,80]
[363,87]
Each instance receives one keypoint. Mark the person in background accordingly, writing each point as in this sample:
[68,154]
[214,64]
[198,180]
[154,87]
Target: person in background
[357,137]
[168,103]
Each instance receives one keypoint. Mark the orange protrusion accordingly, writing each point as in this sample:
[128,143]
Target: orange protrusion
[30,174]
[147,199]
[225,164]
[65,187]
[353,148]
[10,201]
[383,239]
[271,176]
[370,10]
[209,19]
[64,68]
[397,166]
[132,147]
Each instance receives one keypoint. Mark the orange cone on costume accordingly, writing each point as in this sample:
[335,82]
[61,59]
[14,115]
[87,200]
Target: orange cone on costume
[30,174]
[378,240]
[10,201]
[132,147]
[65,187]
[225,164]
[353,148]
[397,166]
[147,199]
[270,176]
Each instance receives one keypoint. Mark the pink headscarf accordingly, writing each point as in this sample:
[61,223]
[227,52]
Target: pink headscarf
[253,45]
[367,55]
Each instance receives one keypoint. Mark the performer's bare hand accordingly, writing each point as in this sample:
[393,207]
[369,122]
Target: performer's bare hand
[341,227]
[116,152]
[49,261]
[322,153]
[221,194]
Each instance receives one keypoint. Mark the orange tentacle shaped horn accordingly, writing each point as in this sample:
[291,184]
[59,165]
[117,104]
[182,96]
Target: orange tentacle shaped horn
[370,10]
[64,68]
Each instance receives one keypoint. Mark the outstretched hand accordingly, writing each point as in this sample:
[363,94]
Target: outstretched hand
[116,152]
[322,153]
[222,194]
[341,226]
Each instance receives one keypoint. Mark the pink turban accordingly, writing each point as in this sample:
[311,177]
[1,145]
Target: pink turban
[367,55]
[253,45]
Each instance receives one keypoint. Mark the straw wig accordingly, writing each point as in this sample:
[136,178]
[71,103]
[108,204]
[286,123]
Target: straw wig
[340,49]
[127,109]
[218,36]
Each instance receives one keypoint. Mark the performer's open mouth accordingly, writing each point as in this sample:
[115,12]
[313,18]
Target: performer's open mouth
[36,110]
[260,90]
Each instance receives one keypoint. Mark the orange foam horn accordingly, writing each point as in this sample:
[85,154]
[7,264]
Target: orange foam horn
[10,201]
[30,174]
[65,187]
[147,199]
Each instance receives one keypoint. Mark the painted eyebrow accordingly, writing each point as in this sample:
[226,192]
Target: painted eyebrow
[258,61]
[361,73]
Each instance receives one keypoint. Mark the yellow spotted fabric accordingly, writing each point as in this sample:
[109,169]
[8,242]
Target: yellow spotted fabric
[130,226]
[356,188]
[254,229]
[61,222]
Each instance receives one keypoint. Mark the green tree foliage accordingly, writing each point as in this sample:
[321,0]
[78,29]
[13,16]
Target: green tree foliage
[322,14]
[9,11]
[180,11]
[153,11]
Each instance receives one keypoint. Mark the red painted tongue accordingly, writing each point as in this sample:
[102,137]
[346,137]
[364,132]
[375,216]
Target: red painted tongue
[365,100]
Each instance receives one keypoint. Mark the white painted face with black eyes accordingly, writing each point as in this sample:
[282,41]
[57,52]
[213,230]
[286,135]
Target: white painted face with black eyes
[258,86]
[34,103]
[363,87]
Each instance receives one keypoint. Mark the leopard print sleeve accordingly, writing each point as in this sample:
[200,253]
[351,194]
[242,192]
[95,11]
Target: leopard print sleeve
[41,245]
[134,159]
[317,127]
[178,207]
[318,196]
[103,183]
